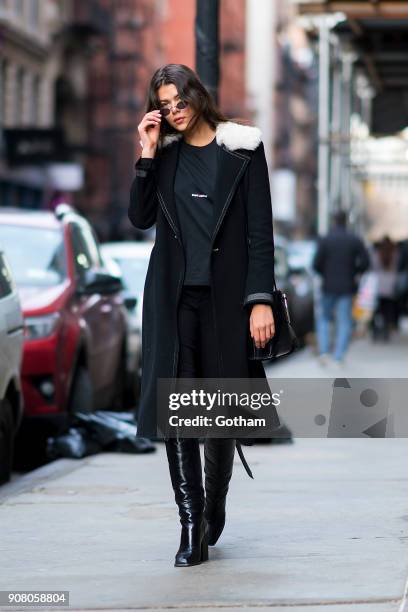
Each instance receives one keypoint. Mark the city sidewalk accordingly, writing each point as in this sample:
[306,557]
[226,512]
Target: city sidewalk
[364,359]
[323,526]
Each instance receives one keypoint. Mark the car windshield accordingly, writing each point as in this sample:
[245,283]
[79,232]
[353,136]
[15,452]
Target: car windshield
[36,255]
[134,272]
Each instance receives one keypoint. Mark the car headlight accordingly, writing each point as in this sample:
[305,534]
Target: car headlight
[40,327]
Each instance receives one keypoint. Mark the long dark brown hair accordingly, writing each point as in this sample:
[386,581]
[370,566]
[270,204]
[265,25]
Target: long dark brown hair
[192,90]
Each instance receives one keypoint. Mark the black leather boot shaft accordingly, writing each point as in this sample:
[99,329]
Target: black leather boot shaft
[218,465]
[184,460]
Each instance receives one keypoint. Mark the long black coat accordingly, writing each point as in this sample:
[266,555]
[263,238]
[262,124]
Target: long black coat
[242,257]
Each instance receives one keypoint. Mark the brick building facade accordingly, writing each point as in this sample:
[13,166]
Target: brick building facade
[85,67]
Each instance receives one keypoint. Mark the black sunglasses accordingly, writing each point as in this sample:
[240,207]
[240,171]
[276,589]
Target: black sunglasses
[165,110]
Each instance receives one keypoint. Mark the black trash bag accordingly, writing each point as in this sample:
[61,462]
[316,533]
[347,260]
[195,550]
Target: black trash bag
[129,417]
[74,444]
[132,445]
[116,434]
[103,430]
[129,445]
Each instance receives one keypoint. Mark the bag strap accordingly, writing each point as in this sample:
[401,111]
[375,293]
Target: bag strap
[241,456]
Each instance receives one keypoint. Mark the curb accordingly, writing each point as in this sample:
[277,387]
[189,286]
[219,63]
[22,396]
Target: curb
[48,472]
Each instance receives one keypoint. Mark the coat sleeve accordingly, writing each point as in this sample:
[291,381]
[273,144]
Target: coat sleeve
[143,201]
[260,279]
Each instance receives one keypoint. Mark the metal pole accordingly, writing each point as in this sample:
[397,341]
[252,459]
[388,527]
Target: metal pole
[323,127]
[260,68]
[207,44]
[336,149]
[347,66]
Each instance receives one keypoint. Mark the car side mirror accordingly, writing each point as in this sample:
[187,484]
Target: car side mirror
[130,302]
[100,281]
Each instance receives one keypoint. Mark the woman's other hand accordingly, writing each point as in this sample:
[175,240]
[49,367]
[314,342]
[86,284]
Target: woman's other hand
[149,130]
[262,324]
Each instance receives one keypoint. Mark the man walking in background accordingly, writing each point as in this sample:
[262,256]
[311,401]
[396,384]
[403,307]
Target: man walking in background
[340,257]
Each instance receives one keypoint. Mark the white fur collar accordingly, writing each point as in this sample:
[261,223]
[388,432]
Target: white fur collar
[233,135]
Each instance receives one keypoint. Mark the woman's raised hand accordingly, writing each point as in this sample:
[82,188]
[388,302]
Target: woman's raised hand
[149,130]
[262,324]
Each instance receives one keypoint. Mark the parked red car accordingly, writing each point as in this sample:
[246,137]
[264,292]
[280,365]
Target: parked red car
[75,321]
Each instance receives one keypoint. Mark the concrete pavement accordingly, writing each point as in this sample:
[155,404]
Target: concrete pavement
[323,526]
[364,359]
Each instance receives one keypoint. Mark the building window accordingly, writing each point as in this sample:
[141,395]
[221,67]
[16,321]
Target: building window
[19,97]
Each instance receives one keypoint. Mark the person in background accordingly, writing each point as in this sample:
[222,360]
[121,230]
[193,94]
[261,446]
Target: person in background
[385,264]
[402,278]
[340,257]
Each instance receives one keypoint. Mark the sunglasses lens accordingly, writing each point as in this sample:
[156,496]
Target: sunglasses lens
[165,110]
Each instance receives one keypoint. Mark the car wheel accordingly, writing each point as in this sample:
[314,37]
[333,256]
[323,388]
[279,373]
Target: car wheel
[6,440]
[82,392]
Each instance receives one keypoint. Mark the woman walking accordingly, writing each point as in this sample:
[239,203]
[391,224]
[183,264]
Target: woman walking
[203,180]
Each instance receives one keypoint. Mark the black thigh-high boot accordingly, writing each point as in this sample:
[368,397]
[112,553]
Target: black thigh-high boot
[218,464]
[184,459]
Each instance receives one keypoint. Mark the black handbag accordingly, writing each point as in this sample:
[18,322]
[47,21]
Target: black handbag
[284,341]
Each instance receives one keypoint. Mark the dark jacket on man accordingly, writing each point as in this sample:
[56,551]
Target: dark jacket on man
[340,257]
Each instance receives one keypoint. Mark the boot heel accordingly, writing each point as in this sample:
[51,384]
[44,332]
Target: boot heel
[204,549]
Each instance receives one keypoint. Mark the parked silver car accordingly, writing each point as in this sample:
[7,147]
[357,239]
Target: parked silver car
[11,351]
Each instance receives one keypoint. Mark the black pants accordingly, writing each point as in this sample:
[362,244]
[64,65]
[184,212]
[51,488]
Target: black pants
[198,345]
[197,335]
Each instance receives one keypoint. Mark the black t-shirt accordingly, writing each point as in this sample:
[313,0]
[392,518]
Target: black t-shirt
[194,194]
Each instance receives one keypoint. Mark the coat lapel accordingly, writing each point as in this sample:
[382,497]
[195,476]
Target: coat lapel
[230,168]
[165,184]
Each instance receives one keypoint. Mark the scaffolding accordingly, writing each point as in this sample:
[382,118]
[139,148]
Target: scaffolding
[363,93]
